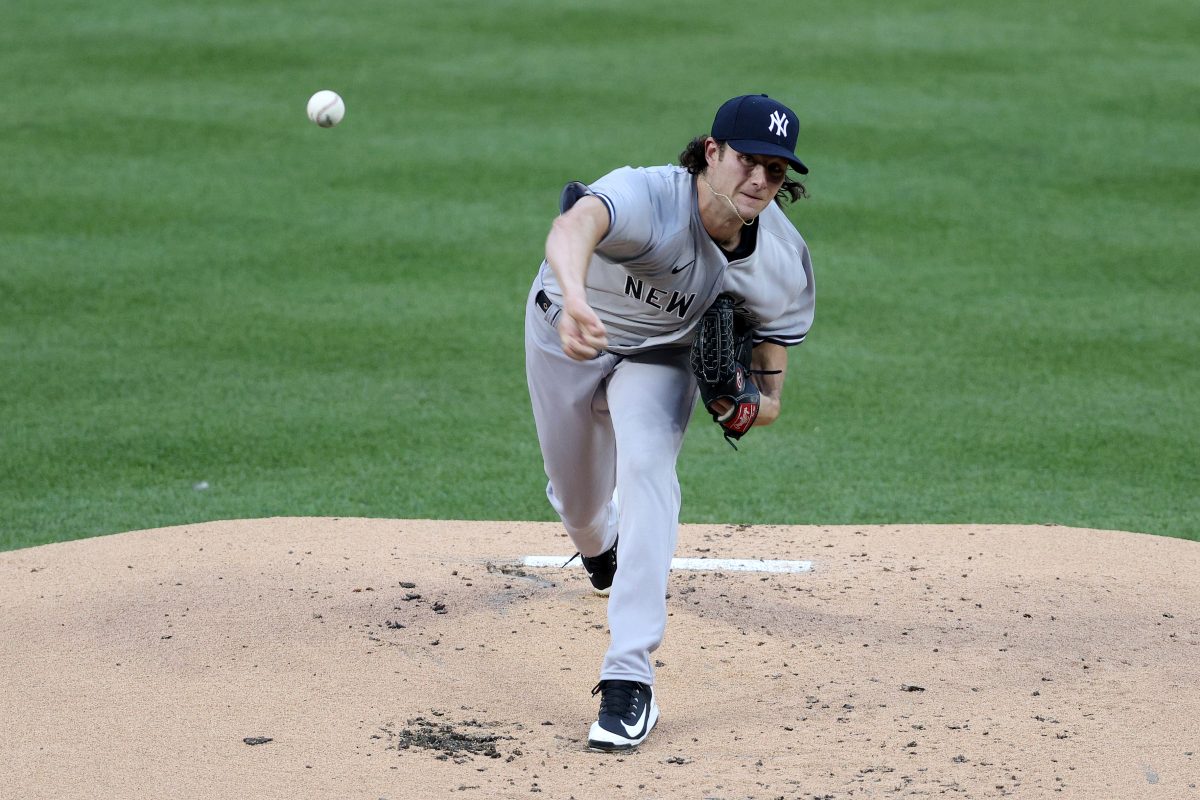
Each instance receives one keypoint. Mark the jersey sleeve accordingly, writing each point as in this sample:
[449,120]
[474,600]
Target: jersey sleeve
[791,327]
[627,194]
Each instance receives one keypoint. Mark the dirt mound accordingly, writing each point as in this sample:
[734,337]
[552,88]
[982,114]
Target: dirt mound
[314,658]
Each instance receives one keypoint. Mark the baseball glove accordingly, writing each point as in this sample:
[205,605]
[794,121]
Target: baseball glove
[720,356]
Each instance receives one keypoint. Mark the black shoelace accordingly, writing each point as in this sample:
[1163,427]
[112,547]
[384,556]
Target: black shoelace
[618,698]
[611,559]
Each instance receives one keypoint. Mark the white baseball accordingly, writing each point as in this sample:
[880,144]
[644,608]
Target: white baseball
[326,108]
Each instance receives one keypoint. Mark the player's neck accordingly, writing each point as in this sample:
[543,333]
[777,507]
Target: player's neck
[723,224]
[723,230]
[730,244]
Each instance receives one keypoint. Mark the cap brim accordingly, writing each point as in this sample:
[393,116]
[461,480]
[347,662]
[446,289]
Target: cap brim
[756,148]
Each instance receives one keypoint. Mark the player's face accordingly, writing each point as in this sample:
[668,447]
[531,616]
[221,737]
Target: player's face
[750,180]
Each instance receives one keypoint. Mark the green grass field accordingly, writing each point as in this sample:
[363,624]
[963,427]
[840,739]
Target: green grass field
[199,285]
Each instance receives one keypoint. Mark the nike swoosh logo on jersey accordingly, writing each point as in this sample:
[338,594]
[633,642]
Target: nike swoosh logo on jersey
[633,732]
[681,268]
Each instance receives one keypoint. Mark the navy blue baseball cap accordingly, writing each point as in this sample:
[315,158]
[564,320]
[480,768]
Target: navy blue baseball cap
[757,125]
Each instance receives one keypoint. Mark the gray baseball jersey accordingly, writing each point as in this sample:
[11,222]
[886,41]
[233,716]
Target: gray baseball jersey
[656,270]
[612,427]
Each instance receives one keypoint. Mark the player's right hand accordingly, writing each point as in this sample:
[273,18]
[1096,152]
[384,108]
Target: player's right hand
[581,331]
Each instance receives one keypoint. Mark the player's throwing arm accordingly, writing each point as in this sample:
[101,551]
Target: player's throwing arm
[569,248]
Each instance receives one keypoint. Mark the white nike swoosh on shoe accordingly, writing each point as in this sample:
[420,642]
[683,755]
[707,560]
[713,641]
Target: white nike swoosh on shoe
[603,740]
[639,730]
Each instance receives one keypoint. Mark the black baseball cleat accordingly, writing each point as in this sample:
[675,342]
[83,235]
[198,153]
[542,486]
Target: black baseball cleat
[600,569]
[628,713]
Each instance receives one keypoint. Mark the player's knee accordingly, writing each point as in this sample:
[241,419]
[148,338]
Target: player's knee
[585,519]
[646,465]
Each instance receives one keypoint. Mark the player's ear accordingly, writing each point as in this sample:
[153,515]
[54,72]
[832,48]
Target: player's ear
[712,151]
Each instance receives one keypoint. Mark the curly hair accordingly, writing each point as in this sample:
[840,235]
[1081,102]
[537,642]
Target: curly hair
[693,160]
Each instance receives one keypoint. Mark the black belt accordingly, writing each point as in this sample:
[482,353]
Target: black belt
[542,301]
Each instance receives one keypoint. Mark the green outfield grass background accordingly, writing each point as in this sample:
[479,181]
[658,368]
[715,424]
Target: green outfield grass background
[210,308]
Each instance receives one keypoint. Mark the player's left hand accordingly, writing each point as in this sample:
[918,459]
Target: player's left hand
[720,358]
[722,407]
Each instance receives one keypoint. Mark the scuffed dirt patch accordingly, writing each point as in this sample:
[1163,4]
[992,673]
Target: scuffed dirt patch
[452,741]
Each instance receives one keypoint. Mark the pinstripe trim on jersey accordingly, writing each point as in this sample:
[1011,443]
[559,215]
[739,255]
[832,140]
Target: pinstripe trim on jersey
[612,211]
[783,341]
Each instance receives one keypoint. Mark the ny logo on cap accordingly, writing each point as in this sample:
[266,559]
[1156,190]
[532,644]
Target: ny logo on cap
[779,123]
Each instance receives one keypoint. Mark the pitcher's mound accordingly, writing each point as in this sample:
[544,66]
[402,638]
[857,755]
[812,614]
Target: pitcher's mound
[317,658]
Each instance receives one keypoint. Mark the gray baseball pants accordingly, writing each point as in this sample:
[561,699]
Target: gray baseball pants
[614,424]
